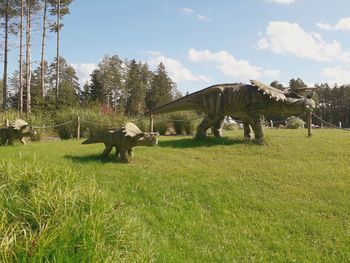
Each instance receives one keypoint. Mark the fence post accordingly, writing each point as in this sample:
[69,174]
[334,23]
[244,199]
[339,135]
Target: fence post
[151,123]
[309,124]
[78,128]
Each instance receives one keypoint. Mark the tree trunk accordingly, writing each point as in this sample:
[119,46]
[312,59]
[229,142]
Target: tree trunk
[28,58]
[43,53]
[58,51]
[4,91]
[21,59]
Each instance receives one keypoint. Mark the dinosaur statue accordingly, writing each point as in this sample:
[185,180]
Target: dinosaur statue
[17,130]
[248,102]
[124,140]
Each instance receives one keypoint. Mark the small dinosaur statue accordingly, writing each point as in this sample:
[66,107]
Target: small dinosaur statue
[124,140]
[248,102]
[18,130]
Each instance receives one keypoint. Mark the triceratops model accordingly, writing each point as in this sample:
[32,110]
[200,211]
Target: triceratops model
[124,140]
[243,101]
[18,130]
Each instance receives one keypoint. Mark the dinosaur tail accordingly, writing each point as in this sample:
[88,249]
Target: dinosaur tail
[182,104]
[93,139]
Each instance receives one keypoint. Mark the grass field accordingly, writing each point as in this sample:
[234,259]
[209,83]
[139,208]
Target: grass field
[218,200]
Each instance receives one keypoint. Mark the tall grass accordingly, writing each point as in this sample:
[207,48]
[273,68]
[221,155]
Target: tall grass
[56,215]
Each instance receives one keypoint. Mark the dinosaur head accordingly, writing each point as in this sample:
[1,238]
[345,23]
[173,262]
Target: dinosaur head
[296,103]
[24,128]
[287,102]
[147,139]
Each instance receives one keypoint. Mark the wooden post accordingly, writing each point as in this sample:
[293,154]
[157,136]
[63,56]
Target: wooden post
[78,128]
[309,124]
[6,123]
[151,123]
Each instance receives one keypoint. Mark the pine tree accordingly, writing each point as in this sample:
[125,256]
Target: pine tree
[68,85]
[61,8]
[107,82]
[162,88]
[136,88]
[8,10]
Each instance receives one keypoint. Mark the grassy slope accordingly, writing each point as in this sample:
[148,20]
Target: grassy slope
[226,200]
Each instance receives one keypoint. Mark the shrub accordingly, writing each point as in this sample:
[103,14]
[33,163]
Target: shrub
[294,123]
[160,125]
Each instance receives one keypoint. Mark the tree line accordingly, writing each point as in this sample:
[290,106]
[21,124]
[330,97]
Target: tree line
[128,87]
[125,86]
[17,18]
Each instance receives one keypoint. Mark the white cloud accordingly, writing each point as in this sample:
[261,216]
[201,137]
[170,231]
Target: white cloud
[337,75]
[189,11]
[289,38]
[203,18]
[231,66]
[83,71]
[324,26]
[186,11]
[283,2]
[177,71]
[343,25]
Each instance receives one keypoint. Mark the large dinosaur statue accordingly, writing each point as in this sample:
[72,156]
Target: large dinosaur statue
[247,102]
[124,140]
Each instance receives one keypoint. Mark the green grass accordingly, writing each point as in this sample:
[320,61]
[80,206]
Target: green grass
[218,200]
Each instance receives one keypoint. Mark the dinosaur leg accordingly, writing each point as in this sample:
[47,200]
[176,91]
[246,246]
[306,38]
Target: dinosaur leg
[3,140]
[107,150]
[217,127]
[257,128]
[23,141]
[123,155]
[204,126]
[117,153]
[247,130]
[131,152]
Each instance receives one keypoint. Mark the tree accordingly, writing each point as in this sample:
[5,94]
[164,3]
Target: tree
[8,9]
[68,85]
[96,92]
[161,90]
[107,82]
[60,9]
[20,93]
[296,83]
[277,85]
[42,64]
[135,85]
[38,75]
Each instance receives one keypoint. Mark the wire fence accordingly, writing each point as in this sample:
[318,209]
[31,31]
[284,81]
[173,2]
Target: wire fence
[53,126]
[329,124]
[173,120]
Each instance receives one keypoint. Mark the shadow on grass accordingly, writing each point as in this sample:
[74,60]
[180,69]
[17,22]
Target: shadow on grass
[93,158]
[207,142]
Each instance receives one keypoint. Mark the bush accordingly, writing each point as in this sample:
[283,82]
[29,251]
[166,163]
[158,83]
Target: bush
[294,123]
[160,125]
[91,122]
[59,216]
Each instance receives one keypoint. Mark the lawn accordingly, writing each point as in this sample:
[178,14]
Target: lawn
[218,200]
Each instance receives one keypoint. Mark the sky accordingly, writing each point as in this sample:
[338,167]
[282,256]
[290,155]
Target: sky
[206,42]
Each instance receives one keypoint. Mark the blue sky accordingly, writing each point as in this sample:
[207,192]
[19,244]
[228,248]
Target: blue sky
[207,42]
